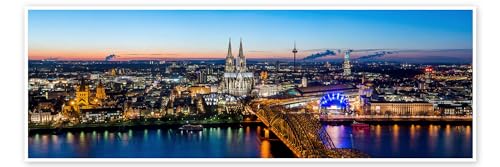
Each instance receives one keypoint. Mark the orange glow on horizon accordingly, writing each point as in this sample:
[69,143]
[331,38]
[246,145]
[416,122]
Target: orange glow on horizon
[142,54]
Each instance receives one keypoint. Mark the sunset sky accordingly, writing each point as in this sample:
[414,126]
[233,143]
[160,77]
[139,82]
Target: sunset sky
[180,34]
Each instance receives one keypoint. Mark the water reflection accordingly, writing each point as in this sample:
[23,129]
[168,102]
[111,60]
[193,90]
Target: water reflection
[413,132]
[395,138]
[467,130]
[432,137]
[247,134]
[69,137]
[265,149]
[221,142]
[378,136]
[406,140]
[94,135]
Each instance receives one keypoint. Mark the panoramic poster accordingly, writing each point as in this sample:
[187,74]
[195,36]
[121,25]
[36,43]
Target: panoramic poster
[285,83]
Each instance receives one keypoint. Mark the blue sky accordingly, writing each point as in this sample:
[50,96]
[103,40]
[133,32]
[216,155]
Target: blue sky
[66,33]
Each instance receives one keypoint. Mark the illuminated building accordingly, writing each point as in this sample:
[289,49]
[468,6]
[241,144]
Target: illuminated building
[94,76]
[44,113]
[263,77]
[328,65]
[401,108]
[304,82]
[42,117]
[224,103]
[266,90]
[365,93]
[82,94]
[229,67]
[219,99]
[422,86]
[236,80]
[263,89]
[454,109]
[112,72]
[345,89]
[83,100]
[365,88]
[100,91]
[347,64]
[316,93]
[336,104]
[200,106]
[202,76]
[99,115]
[428,75]
[195,90]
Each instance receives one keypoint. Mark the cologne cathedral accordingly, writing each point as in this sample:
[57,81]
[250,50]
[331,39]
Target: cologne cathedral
[237,80]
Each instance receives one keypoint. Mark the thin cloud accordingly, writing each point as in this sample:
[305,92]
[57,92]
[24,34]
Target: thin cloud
[151,54]
[259,51]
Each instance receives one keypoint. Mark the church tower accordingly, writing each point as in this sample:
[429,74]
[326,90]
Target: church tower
[229,59]
[100,91]
[82,94]
[241,63]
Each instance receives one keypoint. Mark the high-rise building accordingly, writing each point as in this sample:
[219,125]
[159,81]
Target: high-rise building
[328,65]
[167,70]
[428,75]
[304,81]
[347,64]
[278,66]
[422,86]
[202,76]
[236,80]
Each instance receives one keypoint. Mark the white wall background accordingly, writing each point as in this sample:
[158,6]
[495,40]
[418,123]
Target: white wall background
[12,74]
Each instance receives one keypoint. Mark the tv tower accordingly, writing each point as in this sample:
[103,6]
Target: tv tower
[294,51]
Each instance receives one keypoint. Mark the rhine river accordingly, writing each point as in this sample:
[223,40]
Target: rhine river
[379,141]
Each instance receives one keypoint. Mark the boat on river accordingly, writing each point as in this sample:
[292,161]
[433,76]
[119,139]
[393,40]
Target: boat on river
[189,127]
[359,125]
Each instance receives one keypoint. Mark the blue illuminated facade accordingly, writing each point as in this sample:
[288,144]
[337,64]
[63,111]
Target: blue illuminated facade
[335,103]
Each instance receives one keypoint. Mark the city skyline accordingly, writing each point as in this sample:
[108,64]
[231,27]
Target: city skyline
[234,106]
[415,35]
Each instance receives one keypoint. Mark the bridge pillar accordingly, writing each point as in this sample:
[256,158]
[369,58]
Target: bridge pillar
[266,133]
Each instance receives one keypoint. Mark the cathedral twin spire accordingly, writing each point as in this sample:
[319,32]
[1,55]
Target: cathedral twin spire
[229,59]
[238,65]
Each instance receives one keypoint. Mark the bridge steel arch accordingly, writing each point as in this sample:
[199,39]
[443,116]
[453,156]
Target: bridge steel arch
[298,131]
[302,133]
